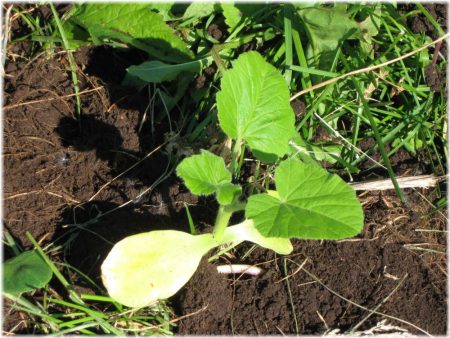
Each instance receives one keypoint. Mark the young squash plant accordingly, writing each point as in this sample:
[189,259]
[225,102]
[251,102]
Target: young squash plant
[308,202]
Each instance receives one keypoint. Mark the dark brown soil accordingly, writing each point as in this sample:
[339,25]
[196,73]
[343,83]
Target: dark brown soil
[419,23]
[363,270]
[56,168]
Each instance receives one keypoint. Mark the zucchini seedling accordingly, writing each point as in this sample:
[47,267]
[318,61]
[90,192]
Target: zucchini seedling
[308,202]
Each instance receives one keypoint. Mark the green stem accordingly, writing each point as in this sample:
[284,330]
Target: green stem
[234,155]
[218,60]
[222,219]
[224,215]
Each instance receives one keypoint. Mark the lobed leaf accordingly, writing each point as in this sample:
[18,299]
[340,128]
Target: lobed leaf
[309,203]
[326,27]
[253,105]
[206,174]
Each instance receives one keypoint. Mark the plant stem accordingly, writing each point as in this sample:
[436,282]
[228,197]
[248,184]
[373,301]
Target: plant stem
[234,155]
[222,219]
[224,215]
[218,60]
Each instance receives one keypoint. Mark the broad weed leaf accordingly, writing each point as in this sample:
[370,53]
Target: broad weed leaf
[199,10]
[253,105]
[135,24]
[309,203]
[25,272]
[326,29]
[143,268]
[232,15]
[206,174]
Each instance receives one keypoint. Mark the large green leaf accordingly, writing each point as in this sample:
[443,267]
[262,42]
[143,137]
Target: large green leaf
[132,23]
[309,203]
[199,9]
[327,27]
[205,174]
[163,9]
[232,15]
[253,105]
[143,268]
[25,272]
[157,71]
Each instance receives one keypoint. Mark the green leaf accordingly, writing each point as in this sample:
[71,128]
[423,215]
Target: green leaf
[132,23]
[163,9]
[25,272]
[143,268]
[253,105]
[199,10]
[157,71]
[315,152]
[326,27]
[205,174]
[232,15]
[309,203]
[75,35]
[227,192]
[369,28]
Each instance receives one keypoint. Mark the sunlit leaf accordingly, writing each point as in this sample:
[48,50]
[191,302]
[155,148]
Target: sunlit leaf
[309,203]
[143,268]
[206,174]
[253,105]
[132,23]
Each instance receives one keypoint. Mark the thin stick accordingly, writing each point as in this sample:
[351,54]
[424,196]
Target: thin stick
[41,192]
[295,272]
[421,181]
[294,312]
[51,98]
[124,172]
[359,151]
[379,305]
[362,307]
[6,35]
[367,69]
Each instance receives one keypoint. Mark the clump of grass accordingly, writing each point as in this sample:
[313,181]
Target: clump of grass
[59,309]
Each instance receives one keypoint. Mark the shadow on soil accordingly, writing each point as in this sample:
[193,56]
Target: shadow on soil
[88,231]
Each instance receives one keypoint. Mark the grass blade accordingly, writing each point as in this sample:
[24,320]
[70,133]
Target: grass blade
[73,67]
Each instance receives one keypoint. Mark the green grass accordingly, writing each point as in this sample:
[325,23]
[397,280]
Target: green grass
[59,309]
[392,105]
